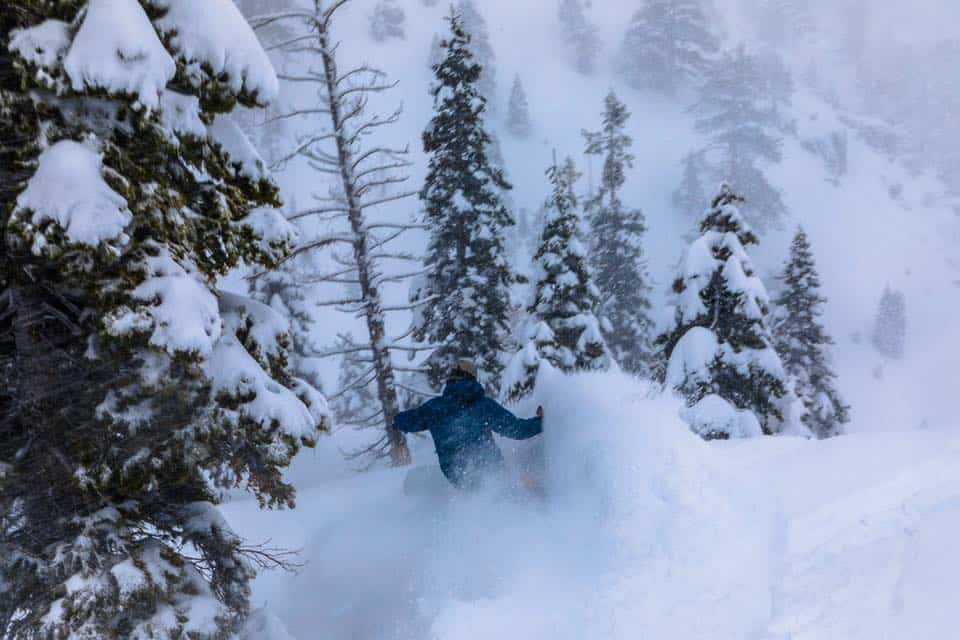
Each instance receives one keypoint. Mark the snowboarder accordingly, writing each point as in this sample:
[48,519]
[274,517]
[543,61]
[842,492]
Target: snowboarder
[462,422]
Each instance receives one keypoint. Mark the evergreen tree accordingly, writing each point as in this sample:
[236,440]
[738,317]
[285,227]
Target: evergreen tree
[802,342]
[616,252]
[283,290]
[743,131]
[566,298]
[435,56]
[564,329]
[129,382]
[668,46]
[580,36]
[476,27]
[387,21]
[464,299]
[518,112]
[890,325]
[690,195]
[719,345]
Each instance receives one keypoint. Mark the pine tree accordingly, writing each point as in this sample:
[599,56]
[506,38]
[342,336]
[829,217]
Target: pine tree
[283,290]
[690,195]
[802,342]
[563,329]
[518,111]
[580,36]
[476,27]
[464,299]
[436,53]
[890,325]
[743,131]
[719,344]
[668,46]
[129,382]
[616,252]
[387,21]
[566,298]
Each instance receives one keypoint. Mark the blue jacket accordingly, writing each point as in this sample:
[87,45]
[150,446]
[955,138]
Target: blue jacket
[462,422]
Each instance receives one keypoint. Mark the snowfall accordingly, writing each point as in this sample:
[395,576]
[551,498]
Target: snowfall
[648,531]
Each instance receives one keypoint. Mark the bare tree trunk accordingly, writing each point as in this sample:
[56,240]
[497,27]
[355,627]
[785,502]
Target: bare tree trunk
[369,291]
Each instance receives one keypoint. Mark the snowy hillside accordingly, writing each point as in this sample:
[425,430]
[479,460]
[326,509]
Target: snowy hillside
[654,533]
[649,532]
[691,376]
[876,225]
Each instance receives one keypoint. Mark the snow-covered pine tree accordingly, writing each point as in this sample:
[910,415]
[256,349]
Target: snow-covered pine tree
[719,352]
[518,111]
[562,326]
[464,299]
[668,46]
[744,133]
[616,251]
[387,21]
[803,343]
[690,195]
[364,178]
[580,36]
[136,389]
[435,56]
[565,297]
[890,324]
[475,25]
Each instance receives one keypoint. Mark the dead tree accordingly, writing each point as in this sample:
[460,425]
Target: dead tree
[363,178]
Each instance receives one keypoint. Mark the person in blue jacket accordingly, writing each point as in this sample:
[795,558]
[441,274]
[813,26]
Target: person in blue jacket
[462,422]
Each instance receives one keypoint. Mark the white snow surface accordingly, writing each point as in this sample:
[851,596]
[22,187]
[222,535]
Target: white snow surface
[713,414]
[215,33]
[648,532]
[68,188]
[117,49]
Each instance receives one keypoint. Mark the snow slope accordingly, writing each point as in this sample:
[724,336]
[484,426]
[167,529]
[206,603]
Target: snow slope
[649,532]
[877,224]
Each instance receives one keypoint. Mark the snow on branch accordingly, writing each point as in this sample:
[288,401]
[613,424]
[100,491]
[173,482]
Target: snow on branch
[213,34]
[68,189]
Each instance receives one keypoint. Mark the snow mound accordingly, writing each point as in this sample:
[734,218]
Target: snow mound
[713,416]
[117,50]
[68,189]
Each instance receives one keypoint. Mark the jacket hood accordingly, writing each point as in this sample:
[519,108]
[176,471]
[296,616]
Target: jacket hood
[466,390]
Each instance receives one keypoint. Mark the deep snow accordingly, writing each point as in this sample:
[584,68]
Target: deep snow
[648,532]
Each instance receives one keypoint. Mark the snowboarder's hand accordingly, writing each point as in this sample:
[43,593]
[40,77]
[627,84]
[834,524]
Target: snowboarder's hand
[540,412]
